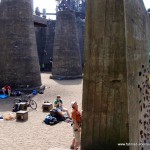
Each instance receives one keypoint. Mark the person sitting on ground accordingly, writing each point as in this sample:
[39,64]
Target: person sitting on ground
[76,117]
[58,103]
[6,89]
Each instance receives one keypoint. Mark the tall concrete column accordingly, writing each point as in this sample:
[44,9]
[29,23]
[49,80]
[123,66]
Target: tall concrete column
[19,64]
[32,6]
[45,41]
[80,31]
[66,53]
[116,59]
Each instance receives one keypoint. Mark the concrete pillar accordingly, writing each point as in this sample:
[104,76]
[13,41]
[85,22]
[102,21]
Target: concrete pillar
[45,41]
[40,33]
[32,6]
[19,64]
[80,32]
[66,53]
[116,60]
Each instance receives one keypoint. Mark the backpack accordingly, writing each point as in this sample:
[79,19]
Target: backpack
[55,113]
[16,107]
[15,93]
[41,92]
[18,93]
[49,120]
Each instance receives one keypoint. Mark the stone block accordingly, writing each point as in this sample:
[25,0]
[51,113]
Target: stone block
[23,106]
[21,115]
[47,107]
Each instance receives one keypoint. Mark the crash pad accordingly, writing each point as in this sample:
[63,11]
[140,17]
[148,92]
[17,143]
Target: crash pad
[3,96]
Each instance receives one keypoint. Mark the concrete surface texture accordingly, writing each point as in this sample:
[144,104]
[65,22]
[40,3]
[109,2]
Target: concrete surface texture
[66,53]
[19,64]
[116,47]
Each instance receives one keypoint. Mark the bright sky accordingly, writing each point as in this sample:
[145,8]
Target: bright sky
[147,3]
[50,5]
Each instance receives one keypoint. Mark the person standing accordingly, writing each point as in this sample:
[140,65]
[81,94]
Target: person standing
[76,118]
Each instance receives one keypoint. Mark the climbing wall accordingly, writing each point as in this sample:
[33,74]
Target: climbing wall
[66,52]
[137,62]
[144,108]
[115,90]
[45,41]
[19,64]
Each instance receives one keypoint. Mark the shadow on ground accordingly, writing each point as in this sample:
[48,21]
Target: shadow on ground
[7,104]
[68,82]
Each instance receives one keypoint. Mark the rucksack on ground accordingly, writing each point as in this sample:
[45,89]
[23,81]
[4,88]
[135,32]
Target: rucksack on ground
[49,120]
[15,93]
[16,107]
[56,114]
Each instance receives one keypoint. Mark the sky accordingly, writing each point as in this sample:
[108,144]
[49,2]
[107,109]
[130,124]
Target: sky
[50,6]
[147,3]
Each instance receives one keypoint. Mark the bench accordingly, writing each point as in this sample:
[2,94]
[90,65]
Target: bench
[47,107]
[22,106]
[21,115]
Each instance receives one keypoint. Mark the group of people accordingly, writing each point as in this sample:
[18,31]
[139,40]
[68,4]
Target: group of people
[76,120]
[75,116]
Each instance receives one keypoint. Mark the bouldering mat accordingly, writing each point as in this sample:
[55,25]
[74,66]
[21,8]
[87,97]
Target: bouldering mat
[3,96]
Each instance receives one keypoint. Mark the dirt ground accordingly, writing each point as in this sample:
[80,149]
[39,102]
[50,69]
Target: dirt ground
[34,134]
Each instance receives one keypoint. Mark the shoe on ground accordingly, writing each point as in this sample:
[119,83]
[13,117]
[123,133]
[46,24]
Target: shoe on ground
[71,147]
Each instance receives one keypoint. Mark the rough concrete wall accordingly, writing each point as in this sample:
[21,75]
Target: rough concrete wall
[19,65]
[45,41]
[115,89]
[137,55]
[41,42]
[148,35]
[50,39]
[105,105]
[39,21]
[66,54]
[80,32]
[32,6]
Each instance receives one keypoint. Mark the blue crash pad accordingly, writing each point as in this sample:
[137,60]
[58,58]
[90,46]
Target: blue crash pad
[3,96]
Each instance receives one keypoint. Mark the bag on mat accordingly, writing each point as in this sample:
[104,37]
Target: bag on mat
[55,113]
[49,120]
[15,93]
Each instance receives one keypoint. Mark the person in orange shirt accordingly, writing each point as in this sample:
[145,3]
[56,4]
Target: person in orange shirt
[76,118]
